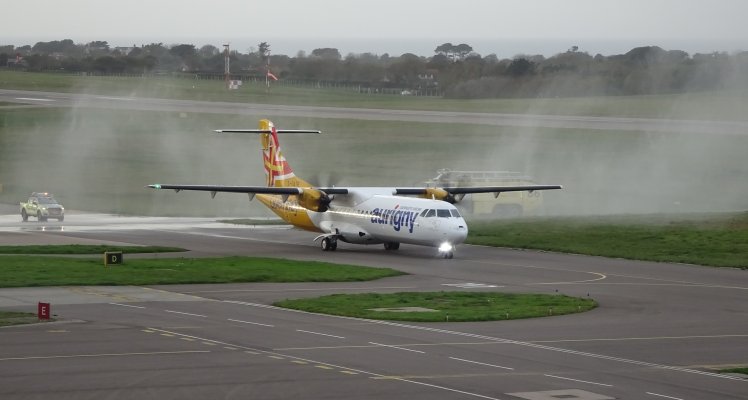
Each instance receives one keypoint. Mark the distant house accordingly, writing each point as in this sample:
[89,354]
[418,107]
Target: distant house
[17,62]
[124,50]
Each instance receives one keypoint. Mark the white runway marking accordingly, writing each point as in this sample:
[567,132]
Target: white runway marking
[33,99]
[602,276]
[501,340]
[640,338]
[469,285]
[662,395]
[578,380]
[321,334]
[153,353]
[125,305]
[253,323]
[248,350]
[399,348]
[186,313]
[476,362]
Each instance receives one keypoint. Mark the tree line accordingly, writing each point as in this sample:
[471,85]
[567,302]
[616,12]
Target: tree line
[455,70]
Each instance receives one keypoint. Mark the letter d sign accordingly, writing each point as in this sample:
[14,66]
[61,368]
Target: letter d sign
[112,257]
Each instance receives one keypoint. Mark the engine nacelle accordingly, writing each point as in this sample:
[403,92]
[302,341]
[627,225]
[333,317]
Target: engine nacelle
[314,200]
[439,194]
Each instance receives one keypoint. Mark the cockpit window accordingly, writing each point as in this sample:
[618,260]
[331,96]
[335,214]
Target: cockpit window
[455,213]
[442,213]
[423,213]
[430,213]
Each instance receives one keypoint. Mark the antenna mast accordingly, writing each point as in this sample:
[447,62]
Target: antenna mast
[227,66]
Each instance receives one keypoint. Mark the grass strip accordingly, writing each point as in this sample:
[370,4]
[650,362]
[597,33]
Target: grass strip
[25,271]
[8,318]
[85,249]
[714,240]
[442,306]
[741,370]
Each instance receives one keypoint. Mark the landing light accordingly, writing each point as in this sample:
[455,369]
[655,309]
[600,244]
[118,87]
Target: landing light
[445,247]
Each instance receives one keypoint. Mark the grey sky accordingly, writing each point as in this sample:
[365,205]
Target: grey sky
[401,25]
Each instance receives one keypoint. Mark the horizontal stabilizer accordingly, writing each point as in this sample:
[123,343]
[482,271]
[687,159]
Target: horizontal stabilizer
[248,189]
[266,131]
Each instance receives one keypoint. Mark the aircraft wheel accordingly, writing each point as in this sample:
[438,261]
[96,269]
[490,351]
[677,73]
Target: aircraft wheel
[24,216]
[448,255]
[326,244]
[334,245]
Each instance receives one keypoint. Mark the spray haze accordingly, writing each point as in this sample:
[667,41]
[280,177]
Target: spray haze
[99,159]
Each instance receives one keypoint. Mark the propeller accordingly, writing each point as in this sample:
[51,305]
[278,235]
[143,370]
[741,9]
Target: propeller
[326,179]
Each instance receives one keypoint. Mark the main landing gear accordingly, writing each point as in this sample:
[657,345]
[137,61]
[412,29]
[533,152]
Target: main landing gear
[391,245]
[329,243]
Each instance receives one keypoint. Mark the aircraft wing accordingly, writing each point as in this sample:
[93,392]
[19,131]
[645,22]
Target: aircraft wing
[478,189]
[246,189]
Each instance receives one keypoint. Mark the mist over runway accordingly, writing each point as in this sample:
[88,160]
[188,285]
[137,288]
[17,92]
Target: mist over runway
[54,99]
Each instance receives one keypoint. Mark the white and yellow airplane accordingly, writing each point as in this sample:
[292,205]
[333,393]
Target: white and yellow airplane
[361,215]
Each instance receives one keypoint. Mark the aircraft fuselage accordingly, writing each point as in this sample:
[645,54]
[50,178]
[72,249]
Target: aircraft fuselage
[373,216]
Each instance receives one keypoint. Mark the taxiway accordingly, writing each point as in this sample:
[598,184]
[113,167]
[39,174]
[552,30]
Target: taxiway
[659,330]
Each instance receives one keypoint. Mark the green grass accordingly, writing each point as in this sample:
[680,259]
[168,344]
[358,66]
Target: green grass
[449,306]
[8,318]
[743,370]
[84,249]
[719,240]
[26,271]
[703,105]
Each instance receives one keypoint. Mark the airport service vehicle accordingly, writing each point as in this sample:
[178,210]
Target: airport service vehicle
[42,206]
[360,215]
[502,205]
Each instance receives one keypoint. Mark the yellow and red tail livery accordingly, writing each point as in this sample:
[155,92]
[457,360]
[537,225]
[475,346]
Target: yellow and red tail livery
[278,172]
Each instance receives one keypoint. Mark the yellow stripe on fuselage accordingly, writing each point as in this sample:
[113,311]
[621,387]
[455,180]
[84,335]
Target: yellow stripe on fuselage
[290,211]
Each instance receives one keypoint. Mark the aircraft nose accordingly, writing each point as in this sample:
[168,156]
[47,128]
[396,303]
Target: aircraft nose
[458,231]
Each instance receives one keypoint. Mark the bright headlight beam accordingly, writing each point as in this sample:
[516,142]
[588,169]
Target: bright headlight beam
[445,247]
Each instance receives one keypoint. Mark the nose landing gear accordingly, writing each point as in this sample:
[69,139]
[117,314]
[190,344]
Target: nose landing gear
[446,250]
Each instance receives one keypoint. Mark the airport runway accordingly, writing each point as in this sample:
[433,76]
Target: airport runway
[53,99]
[657,334]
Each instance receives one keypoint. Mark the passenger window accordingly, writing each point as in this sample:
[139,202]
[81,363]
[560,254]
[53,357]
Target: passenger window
[443,213]
[455,213]
[431,213]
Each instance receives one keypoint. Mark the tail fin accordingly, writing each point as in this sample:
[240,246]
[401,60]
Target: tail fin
[277,170]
